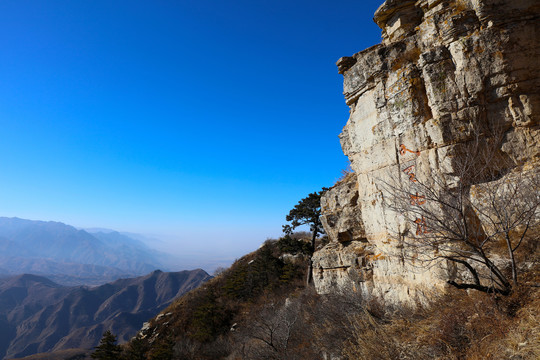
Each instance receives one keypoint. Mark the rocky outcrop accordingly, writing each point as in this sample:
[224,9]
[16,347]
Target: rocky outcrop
[341,217]
[342,263]
[445,72]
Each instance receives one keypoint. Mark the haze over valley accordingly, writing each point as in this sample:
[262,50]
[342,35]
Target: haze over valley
[62,287]
[73,256]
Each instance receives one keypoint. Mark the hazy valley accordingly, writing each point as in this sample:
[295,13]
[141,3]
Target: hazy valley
[61,287]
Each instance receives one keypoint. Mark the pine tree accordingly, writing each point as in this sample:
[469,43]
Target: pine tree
[107,348]
[307,212]
[162,350]
[136,349]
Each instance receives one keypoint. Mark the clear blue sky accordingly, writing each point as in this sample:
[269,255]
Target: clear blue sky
[202,120]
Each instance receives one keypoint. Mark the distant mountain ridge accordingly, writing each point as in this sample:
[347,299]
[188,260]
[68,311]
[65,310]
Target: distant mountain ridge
[38,315]
[72,256]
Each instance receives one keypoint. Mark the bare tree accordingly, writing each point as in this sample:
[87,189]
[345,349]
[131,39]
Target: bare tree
[272,332]
[465,214]
[508,208]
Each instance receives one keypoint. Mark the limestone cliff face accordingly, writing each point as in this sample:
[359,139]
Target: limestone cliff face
[444,71]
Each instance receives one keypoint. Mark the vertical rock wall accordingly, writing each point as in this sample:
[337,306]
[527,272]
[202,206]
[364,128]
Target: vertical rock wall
[445,71]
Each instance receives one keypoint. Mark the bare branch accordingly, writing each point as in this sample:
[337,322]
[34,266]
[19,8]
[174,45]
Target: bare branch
[463,215]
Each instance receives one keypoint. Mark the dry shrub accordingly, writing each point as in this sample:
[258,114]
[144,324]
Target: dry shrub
[392,334]
[469,326]
[277,327]
[346,174]
[523,341]
[371,339]
[459,325]
[331,322]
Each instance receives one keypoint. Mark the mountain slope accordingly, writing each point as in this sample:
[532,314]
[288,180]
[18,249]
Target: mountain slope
[53,248]
[38,315]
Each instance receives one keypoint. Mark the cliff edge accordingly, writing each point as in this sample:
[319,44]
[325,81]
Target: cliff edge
[445,72]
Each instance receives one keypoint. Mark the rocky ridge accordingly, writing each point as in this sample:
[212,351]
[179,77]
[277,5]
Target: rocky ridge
[38,315]
[445,71]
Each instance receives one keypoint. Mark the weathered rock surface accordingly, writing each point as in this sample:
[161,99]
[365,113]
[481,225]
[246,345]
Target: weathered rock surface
[445,71]
[342,216]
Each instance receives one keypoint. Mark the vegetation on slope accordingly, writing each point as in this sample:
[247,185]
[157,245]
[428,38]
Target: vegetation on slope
[259,308]
[202,323]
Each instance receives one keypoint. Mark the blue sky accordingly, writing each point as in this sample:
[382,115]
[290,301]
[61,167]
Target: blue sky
[202,121]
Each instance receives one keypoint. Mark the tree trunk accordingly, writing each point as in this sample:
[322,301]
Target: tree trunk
[309,277]
[495,271]
[309,273]
[512,259]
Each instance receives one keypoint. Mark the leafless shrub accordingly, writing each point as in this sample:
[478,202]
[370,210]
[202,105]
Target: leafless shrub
[219,270]
[345,173]
[456,326]
[468,215]
[270,331]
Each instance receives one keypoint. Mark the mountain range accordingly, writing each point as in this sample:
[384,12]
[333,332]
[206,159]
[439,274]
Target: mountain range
[38,315]
[73,256]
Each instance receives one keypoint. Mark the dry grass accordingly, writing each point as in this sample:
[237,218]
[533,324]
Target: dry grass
[346,174]
[377,340]
[523,339]
[473,326]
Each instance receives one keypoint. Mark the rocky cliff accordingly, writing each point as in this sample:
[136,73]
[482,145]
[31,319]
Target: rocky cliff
[445,72]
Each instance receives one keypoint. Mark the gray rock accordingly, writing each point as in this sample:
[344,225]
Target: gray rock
[445,71]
